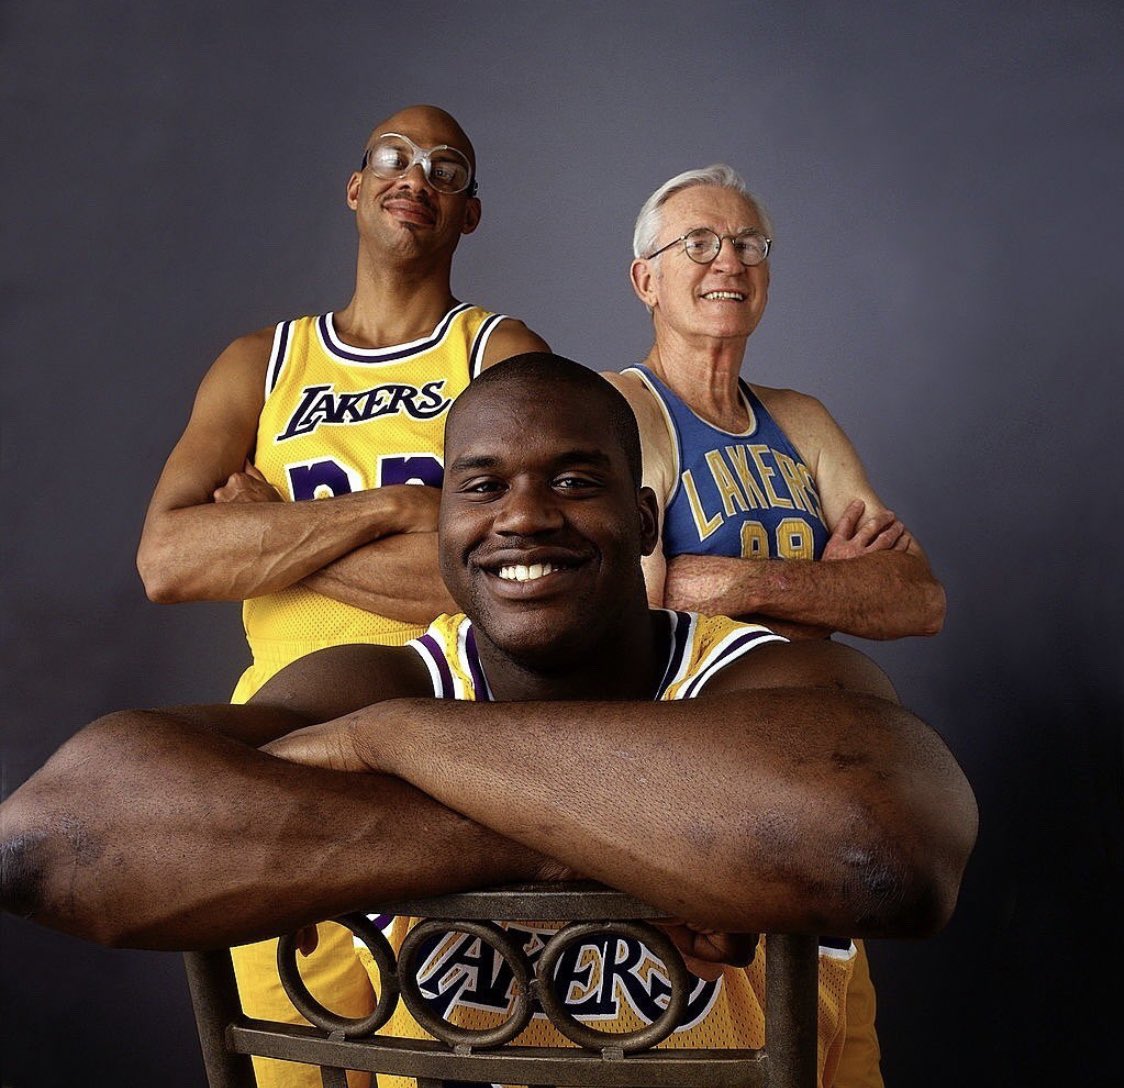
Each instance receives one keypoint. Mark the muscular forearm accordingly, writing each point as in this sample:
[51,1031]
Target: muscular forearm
[231,551]
[143,831]
[771,810]
[396,577]
[883,595]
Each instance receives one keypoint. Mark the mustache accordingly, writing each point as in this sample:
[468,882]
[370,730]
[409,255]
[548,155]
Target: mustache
[420,197]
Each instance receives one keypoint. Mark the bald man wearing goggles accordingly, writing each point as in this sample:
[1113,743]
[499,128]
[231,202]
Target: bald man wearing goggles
[347,408]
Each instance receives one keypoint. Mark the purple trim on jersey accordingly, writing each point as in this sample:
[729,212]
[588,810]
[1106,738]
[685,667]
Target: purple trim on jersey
[476,356]
[277,362]
[432,647]
[682,622]
[475,668]
[729,653]
[388,355]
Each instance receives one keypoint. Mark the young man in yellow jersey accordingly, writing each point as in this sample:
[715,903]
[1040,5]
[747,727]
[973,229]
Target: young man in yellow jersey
[347,408]
[707,766]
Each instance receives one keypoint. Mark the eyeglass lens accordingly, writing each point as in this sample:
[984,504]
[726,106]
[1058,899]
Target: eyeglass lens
[703,245]
[445,168]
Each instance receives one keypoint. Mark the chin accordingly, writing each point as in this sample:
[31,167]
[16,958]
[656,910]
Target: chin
[537,641]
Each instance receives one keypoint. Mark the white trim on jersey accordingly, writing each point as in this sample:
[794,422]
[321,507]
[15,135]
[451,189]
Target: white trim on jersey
[335,348]
[736,644]
[278,353]
[480,344]
[673,430]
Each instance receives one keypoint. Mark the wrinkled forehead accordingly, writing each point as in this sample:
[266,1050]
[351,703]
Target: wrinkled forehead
[709,206]
[427,126]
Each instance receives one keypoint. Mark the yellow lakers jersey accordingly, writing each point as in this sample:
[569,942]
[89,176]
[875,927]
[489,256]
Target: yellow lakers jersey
[338,419]
[614,984]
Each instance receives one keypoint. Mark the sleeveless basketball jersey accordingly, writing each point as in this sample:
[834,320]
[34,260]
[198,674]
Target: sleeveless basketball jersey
[747,495]
[338,419]
[624,987]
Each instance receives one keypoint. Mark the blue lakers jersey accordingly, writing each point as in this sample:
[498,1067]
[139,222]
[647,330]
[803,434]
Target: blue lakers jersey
[747,495]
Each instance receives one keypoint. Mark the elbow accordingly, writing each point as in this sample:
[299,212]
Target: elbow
[910,887]
[933,609]
[33,867]
[164,582]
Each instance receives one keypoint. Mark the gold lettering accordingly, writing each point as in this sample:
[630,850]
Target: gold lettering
[703,525]
[753,493]
[792,478]
[794,539]
[755,541]
[756,452]
[727,488]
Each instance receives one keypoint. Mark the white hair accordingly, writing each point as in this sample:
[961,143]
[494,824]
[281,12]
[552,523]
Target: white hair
[719,175]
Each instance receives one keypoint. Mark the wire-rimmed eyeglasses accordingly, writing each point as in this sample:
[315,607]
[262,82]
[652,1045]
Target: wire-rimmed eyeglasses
[702,245]
[446,169]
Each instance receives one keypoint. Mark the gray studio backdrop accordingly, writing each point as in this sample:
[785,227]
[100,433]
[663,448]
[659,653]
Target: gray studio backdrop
[946,188]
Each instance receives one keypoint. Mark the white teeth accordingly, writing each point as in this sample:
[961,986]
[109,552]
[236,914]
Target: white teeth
[521,572]
[733,295]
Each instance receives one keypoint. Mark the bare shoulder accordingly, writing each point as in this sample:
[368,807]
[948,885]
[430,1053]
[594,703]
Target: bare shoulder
[644,403]
[341,679]
[245,359]
[814,664]
[511,337]
[806,421]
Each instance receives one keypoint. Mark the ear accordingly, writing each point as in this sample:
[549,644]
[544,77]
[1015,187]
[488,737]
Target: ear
[353,184]
[649,520]
[471,215]
[642,277]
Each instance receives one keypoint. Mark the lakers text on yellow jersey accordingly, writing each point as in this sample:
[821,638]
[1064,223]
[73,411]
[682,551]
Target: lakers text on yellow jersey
[612,983]
[339,419]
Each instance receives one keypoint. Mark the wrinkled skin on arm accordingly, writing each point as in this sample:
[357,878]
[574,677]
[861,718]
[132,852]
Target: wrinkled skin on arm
[874,580]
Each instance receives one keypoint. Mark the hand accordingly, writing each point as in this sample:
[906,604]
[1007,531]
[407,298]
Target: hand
[249,485]
[707,952]
[880,532]
[331,745]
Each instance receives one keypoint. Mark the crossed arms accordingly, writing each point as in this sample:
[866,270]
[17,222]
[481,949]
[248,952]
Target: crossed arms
[874,580]
[216,530]
[814,803]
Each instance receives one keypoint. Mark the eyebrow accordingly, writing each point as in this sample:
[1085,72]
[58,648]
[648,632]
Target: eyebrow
[468,462]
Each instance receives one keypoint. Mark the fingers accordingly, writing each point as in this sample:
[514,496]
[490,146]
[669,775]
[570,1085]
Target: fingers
[308,937]
[330,745]
[845,526]
[875,524]
[252,470]
[889,536]
[248,486]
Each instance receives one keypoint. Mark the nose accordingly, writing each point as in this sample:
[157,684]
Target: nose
[727,259]
[527,509]
[415,177]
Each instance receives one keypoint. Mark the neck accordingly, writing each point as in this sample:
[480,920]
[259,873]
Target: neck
[704,375]
[394,302]
[627,663]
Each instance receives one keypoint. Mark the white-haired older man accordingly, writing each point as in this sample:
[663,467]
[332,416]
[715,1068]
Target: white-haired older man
[746,473]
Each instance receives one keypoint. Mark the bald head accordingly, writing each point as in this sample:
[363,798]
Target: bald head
[554,379]
[427,126]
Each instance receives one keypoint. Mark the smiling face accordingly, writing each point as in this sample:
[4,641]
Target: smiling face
[723,299]
[407,215]
[542,520]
